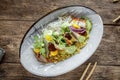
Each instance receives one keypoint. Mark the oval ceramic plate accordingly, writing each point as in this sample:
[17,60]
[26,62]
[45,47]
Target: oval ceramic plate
[28,59]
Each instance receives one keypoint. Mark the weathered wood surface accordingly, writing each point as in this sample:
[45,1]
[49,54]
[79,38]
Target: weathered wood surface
[16,16]
[33,10]
[16,72]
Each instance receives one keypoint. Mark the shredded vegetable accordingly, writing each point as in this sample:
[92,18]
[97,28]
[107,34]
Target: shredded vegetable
[62,39]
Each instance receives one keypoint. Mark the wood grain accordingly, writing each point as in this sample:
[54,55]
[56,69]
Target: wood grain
[33,10]
[16,17]
[17,72]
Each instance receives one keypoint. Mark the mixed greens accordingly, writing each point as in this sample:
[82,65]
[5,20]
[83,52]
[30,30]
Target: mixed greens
[62,39]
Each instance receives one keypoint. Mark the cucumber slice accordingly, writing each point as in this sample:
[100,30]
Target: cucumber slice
[88,25]
[70,50]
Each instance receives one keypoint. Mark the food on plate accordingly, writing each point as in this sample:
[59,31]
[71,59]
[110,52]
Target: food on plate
[62,39]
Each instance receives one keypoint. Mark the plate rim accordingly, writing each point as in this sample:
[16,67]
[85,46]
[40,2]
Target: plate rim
[52,11]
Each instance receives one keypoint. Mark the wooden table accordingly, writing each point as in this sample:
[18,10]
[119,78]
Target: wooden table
[16,16]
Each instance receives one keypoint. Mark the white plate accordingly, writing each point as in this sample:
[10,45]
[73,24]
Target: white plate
[27,56]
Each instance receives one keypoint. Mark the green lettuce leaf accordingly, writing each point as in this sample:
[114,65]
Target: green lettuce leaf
[65,27]
[81,39]
[70,50]
[42,51]
[88,25]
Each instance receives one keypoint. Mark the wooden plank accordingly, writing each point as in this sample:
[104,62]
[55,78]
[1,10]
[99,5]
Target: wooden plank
[10,71]
[109,48]
[106,73]
[11,34]
[14,27]
[33,10]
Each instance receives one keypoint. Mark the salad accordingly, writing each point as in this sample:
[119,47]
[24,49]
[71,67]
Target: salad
[62,39]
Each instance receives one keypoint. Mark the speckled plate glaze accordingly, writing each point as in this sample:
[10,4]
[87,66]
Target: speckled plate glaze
[28,59]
